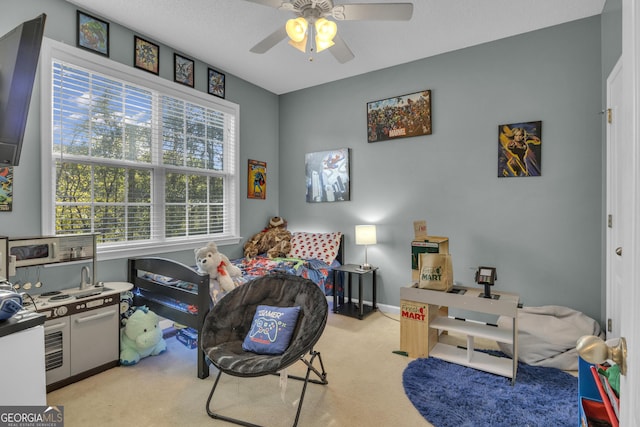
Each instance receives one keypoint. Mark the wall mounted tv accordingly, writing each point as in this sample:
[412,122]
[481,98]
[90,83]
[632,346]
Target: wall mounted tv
[19,53]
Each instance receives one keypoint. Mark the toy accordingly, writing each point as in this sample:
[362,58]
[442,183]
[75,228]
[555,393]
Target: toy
[275,240]
[126,307]
[218,266]
[141,337]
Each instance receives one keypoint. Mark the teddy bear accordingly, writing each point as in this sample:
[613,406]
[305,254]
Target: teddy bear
[141,337]
[218,266]
[275,240]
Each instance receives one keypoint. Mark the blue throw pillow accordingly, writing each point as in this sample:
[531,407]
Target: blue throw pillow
[271,329]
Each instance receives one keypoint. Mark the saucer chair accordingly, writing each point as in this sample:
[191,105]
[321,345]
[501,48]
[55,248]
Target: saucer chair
[229,322]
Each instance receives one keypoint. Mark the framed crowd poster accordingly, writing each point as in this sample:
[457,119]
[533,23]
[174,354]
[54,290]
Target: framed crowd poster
[399,117]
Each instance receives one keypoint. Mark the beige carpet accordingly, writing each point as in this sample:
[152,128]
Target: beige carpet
[365,387]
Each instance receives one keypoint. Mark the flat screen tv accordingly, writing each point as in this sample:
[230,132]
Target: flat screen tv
[19,54]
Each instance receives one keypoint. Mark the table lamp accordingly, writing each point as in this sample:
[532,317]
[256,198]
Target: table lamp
[365,235]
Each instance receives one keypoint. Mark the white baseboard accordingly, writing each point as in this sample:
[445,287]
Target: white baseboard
[391,309]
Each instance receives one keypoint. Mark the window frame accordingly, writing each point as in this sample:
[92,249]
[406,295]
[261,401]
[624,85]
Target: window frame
[53,50]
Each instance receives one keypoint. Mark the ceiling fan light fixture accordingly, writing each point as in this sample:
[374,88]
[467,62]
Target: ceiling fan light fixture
[301,45]
[325,32]
[323,44]
[297,29]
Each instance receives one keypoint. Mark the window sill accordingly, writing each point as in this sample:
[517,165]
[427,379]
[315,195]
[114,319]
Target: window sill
[147,249]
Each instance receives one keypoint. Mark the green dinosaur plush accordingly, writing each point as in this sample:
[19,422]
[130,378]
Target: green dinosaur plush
[141,337]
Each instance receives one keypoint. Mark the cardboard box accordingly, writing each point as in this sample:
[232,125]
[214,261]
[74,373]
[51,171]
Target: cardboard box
[432,244]
[416,338]
[188,337]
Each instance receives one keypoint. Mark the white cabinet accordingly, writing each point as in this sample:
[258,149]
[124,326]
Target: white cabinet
[22,368]
[468,299]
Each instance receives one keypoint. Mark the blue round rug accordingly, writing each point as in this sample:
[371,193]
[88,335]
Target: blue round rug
[451,395]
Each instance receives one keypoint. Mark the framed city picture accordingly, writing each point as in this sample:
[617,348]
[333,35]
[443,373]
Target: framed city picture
[327,176]
[215,83]
[183,69]
[146,55]
[520,149]
[257,180]
[93,34]
[399,117]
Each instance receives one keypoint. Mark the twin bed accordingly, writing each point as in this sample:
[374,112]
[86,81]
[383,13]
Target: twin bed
[179,293]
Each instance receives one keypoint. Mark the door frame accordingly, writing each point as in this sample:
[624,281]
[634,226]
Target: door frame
[630,383]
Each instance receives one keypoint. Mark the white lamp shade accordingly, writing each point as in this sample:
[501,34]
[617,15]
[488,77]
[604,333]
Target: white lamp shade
[296,29]
[365,234]
[325,32]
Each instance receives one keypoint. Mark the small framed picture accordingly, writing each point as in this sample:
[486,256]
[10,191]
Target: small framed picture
[520,149]
[257,180]
[183,70]
[93,34]
[215,83]
[6,189]
[146,55]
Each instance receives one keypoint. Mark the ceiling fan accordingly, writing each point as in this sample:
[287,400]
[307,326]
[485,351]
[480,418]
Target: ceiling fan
[311,31]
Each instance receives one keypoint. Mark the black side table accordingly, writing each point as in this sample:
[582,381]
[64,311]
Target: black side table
[350,308]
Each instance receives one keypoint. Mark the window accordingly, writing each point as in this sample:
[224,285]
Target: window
[148,165]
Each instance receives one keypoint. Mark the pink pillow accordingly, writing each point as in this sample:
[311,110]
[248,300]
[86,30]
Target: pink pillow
[322,246]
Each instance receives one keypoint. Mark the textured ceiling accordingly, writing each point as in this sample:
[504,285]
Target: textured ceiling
[221,32]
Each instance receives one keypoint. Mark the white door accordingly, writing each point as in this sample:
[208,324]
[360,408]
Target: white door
[629,295]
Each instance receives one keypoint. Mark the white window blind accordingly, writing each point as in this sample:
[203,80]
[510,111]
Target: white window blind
[137,160]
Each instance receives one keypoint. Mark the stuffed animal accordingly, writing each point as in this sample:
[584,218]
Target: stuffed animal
[141,337]
[126,307]
[275,240]
[218,266]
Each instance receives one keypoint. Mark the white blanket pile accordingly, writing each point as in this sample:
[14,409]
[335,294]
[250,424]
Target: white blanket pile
[547,335]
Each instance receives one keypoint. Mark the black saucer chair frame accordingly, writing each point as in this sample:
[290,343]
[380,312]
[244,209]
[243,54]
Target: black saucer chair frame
[230,320]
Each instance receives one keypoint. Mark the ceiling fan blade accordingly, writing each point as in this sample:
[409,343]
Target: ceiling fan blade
[270,41]
[270,3]
[340,50]
[373,12]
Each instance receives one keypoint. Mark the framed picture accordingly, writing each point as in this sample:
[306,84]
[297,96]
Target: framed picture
[183,70]
[6,189]
[520,149]
[327,176]
[93,34]
[399,117]
[146,55]
[215,83]
[257,180]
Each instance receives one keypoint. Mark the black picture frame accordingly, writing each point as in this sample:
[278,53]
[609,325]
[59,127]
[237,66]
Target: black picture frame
[216,83]
[183,70]
[146,55]
[92,33]
[402,116]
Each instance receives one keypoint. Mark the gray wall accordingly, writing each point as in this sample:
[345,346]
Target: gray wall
[258,134]
[542,233]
